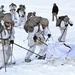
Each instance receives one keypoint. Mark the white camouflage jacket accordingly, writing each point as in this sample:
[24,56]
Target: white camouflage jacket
[8,33]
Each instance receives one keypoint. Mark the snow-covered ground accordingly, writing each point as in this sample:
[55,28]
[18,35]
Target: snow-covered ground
[42,67]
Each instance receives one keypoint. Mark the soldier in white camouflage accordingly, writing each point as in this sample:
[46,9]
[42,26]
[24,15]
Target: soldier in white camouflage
[7,38]
[36,36]
[13,7]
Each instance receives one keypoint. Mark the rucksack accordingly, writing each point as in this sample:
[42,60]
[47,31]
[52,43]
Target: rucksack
[60,18]
[31,23]
[29,26]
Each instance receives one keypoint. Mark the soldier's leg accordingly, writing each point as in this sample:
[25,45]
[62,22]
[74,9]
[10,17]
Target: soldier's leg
[63,35]
[19,21]
[29,53]
[42,51]
[15,18]
[56,16]
[52,16]
[8,54]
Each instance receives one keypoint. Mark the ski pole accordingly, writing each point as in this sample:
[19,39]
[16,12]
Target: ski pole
[11,53]
[47,39]
[12,48]
[51,34]
[63,33]
[3,43]
[12,56]
[42,41]
[25,49]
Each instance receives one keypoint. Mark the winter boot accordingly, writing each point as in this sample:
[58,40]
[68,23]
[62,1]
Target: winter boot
[42,57]
[27,60]
[1,68]
[60,40]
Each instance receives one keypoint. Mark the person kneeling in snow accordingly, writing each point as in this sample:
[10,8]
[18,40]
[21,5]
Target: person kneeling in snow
[37,36]
[7,38]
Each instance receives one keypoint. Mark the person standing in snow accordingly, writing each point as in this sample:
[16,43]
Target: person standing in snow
[7,38]
[55,11]
[22,15]
[13,7]
[36,36]
[2,8]
[63,28]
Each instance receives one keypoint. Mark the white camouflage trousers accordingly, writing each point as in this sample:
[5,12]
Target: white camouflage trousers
[7,54]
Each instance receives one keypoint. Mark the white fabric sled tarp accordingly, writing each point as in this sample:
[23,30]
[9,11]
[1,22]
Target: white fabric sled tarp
[57,52]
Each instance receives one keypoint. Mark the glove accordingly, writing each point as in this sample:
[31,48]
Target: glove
[35,37]
[71,24]
[66,25]
[11,41]
[49,35]
[19,15]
